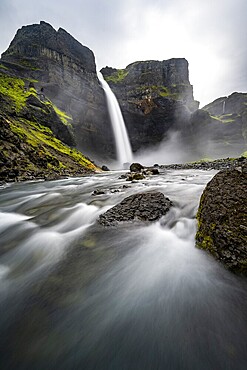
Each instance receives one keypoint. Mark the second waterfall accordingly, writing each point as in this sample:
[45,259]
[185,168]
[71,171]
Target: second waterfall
[123,147]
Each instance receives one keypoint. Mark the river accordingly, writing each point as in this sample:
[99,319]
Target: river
[76,295]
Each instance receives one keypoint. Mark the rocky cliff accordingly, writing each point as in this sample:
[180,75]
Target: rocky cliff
[34,134]
[220,128]
[155,97]
[64,71]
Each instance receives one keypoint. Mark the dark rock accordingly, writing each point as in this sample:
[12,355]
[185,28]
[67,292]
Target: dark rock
[98,192]
[222,220]
[105,168]
[136,167]
[154,96]
[135,176]
[65,72]
[220,127]
[148,206]
[124,176]
[155,171]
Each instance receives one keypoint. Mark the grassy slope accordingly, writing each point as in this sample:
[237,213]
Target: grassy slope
[28,148]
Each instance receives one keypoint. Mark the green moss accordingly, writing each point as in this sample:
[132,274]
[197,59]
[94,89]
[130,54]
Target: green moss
[117,76]
[41,139]
[64,117]
[13,88]
[244,154]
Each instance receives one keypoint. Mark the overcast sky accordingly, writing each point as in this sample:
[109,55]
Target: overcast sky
[210,34]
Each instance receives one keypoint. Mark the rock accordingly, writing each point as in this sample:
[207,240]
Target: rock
[136,167]
[222,220]
[123,176]
[149,206]
[135,176]
[154,96]
[98,192]
[65,72]
[105,168]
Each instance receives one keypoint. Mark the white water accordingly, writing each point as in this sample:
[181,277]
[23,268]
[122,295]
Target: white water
[76,295]
[123,147]
[224,107]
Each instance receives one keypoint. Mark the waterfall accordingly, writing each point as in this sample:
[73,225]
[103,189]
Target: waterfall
[224,107]
[123,147]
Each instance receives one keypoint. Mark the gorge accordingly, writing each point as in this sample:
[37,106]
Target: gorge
[99,269]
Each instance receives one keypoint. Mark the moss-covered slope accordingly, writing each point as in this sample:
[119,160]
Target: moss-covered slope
[35,136]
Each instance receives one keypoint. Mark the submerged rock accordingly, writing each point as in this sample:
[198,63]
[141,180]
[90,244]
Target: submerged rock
[222,219]
[149,206]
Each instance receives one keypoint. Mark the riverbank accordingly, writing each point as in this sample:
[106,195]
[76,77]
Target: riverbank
[217,164]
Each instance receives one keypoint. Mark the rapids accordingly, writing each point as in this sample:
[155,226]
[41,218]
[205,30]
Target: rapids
[76,295]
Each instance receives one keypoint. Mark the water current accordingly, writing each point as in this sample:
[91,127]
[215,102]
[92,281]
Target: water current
[76,295]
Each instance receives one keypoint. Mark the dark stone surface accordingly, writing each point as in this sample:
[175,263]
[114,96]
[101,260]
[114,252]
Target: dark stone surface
[155,97]
[222,219]
[65,72]
[220,128]
[136,167]
[149,206]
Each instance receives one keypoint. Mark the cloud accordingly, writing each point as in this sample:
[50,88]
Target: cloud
[211,34]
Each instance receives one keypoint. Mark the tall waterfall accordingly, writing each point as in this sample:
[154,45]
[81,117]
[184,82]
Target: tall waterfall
[224,107]
[123,147]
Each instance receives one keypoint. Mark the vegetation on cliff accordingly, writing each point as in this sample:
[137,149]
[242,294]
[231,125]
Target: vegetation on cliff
[222,219]
[31,129]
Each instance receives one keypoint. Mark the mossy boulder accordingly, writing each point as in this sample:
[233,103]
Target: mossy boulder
[222,219]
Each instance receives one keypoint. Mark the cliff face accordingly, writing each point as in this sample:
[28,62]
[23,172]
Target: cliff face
[220,128]
[154,97]
[34,134]
[64,71]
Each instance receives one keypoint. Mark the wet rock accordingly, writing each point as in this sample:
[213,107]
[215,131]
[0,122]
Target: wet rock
[222,220]
[98,192]
[136,167]
[135,176]
[105,168]
[149,206]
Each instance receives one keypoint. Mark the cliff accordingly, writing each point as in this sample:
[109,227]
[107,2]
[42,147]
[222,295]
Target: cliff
[155,97]
[34,135]
[64,72]
[220,128]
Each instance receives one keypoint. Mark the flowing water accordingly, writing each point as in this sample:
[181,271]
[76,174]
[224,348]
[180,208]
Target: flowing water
[123,147]
[76,295]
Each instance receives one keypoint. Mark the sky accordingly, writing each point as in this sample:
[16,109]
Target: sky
[210,34]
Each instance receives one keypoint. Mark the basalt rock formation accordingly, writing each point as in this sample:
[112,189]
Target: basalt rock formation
[220,127]
[149,206]
[222,219]
[155,97]
[64,71]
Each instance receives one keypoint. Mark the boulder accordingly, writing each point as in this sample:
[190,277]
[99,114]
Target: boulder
[136,167]
[222,219]
[148,206]
[105,168]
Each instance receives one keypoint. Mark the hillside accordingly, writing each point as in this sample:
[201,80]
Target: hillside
[35,136]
